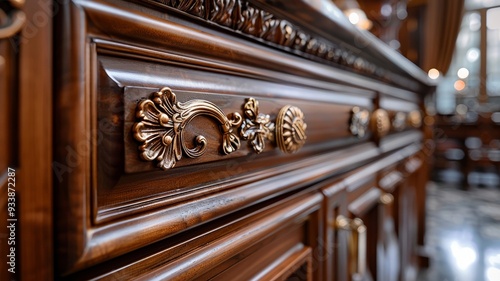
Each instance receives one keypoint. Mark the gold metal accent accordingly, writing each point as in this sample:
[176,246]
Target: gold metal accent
[357,244]
[386,198]
[359,121]
[415,119]
[19,4]
[380,122]
[162,123]
[17,21]
[257,127]
[290,129]
[399,121]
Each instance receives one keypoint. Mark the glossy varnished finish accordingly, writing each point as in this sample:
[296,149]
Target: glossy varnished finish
[26,139]
[256,195]
[35,146]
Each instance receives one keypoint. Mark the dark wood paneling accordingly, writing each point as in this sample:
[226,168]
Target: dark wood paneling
[35,189]
[289,229]
[120,217]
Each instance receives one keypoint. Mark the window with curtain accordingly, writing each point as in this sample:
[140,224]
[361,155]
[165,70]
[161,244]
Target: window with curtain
[472,83]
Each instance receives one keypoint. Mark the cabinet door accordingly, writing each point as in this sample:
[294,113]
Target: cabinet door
[365,209]
[390,207]
[376,254]
[279,239]
[409,216]
[336,241]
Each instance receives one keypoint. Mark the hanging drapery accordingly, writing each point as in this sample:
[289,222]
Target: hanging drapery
[442,25]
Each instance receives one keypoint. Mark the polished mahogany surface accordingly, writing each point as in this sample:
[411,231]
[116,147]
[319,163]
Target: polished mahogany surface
[197,140]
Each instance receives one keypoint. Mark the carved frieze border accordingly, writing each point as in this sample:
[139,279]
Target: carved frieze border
[243,17]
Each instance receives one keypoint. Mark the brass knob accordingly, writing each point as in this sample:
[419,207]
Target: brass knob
[380,122]
[386,198]
[290,129]
[415,119]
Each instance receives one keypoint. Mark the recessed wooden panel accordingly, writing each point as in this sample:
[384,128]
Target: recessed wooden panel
[276,241]
[122,178]
[110,204]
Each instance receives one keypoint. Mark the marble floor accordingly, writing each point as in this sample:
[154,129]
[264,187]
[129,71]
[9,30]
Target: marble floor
[463,233]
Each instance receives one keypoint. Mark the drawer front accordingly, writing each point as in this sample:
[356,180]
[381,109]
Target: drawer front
[167,125]
[109,186]
[269,242]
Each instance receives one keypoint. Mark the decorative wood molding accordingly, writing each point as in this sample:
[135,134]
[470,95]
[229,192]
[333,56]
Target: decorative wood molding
[162,123]
[244,17]
[290,129]
[256,127]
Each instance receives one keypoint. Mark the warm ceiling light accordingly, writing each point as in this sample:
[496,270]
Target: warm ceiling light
[459,85]
[353,17]
[433,73]
[357,17]
[463,73]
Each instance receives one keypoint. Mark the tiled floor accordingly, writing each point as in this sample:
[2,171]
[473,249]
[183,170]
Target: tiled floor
[463,233]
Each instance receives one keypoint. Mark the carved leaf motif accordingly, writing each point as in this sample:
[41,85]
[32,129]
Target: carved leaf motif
[257,127]
[222,11]
[242,16]
[162,123]
[194,7]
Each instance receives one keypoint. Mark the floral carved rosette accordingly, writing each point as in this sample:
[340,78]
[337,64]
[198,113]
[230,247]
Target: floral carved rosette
[162,123]
[256,127]
[290,129]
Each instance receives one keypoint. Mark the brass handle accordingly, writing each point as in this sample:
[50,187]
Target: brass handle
[357,244]
[162,120]
[17,21]
[380,123]
[386,199]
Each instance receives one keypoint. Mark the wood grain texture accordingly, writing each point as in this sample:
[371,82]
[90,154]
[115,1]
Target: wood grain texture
[9,136]
[120,217]
[286,230]
[336,242]
[34,174]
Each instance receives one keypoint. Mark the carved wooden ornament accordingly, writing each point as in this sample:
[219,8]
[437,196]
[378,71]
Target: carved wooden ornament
[162,123]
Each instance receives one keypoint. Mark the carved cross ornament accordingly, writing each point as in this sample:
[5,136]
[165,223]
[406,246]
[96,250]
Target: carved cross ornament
[162,121]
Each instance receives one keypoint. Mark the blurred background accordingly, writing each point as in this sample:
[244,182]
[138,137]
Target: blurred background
[458,44]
